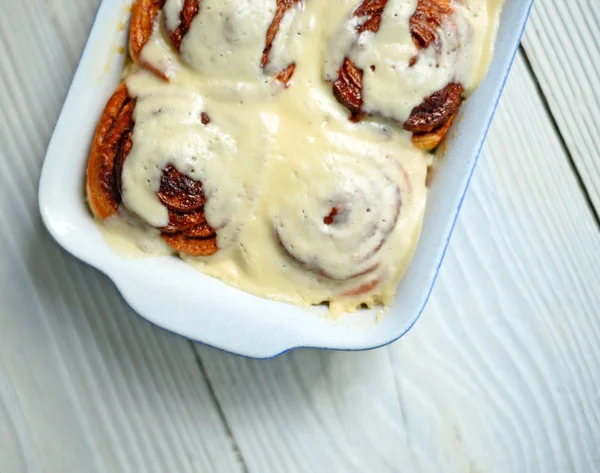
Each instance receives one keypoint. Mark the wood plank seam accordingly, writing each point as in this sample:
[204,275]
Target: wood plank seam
[219,408]
[559,134]
[346,401]
[528,319]
[568,72]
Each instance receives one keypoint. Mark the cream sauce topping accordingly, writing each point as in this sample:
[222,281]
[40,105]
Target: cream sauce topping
[308,206]
[226,155]
[226,37]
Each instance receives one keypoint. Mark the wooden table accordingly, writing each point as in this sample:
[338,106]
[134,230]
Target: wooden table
[501,374]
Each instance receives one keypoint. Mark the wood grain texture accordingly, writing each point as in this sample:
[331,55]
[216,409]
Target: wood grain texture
[499,376]
[562,43]
[500,373]
[85,384]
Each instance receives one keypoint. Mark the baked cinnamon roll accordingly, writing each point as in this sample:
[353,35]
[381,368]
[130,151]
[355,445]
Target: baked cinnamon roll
[336,221]
[186,229]
[437,41]
[184,22]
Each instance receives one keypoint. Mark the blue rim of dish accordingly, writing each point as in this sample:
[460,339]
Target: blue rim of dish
[395,338]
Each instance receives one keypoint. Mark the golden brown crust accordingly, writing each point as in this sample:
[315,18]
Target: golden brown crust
[180,193]
[430,120]
[189,11]
[203,230]
[431,140]
[182,221]
[282,7]
[188,231]
[143,15]
[111,141]
[371,11]
[285,76]
[192,246]
[427,19]
[435,110]
[348,87]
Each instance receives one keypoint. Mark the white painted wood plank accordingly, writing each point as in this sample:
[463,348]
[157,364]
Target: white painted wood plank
[85,384]
[498,376]
[562,43]
[501,373]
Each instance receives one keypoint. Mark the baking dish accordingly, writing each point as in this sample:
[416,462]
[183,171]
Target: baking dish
[173,295]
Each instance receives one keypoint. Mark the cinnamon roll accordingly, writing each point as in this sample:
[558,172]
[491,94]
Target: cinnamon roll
[437,41]
[185,229]
[335,221]
[236,26]
[247,25]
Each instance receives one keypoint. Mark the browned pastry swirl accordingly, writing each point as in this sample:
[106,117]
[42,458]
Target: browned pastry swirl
[282,7]
[191,9]
[340,235]
[145,12]
[143,17]
[187,231]
[429,121]
[111,142]
[427,19]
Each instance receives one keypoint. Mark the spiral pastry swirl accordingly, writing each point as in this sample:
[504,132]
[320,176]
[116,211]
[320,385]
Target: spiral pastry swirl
[186,229]
[430,120]
[339,231]
[143,16]
[237,27]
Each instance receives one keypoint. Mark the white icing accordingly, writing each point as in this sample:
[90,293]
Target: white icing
[171,10]
[227,37]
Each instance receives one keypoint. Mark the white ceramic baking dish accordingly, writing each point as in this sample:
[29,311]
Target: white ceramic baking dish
[174,296]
